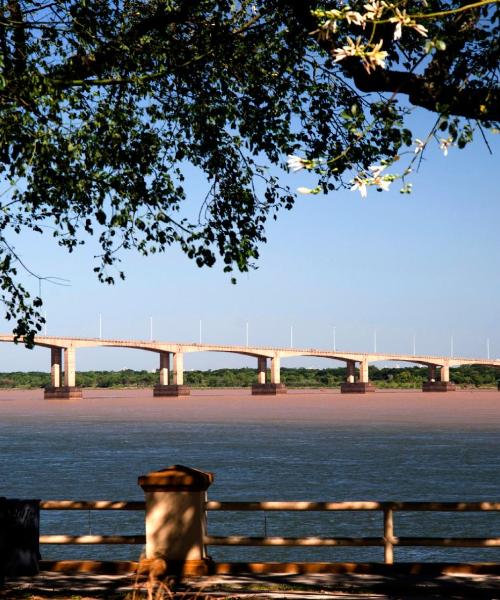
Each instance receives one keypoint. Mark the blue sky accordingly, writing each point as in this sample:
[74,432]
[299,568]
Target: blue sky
[425,264]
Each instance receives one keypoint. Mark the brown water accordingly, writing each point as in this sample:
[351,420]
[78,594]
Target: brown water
[314,445]
[468,408]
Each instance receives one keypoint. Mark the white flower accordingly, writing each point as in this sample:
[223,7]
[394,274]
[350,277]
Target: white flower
[375,58]
[354,17]
[403,20]
[352,49]
[444,144]
[374,10]
[358,183]
[377,169]
[326,28]
[305,190]
[382,183]
[419,145]
[420,29]
[296,163]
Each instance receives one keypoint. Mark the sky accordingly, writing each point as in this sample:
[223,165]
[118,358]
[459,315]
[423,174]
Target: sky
[400,268]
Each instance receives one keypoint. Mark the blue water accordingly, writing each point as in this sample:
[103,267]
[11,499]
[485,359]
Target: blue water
[91,457]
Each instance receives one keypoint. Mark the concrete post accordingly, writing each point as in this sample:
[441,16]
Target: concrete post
[261,370]
[176,518]
[351,371]
[164,367]
[69,367]
[363,371]
[275,369]
[178,372]
[55,367]
[432,373]
[444,374]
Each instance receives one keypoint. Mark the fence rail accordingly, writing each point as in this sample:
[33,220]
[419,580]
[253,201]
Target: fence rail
[370,505]
[388,540]
[92,539]
[92,505]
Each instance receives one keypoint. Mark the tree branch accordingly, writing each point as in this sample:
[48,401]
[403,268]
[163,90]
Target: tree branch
[81,66]
[474,101]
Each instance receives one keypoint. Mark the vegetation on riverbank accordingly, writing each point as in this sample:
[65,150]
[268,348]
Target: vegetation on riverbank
[408,377]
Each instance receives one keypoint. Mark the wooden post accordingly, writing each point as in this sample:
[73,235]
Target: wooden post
[388,536]
[176,518]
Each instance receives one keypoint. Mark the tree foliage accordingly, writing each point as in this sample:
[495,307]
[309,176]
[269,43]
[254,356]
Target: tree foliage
[386,377]
[107,106]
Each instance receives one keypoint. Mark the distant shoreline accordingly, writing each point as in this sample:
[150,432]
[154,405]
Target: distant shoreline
[411,377]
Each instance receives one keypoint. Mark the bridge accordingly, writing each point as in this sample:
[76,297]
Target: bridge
[171,364]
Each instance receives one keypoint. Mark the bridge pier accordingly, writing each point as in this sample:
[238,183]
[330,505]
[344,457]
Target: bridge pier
[68,391]
[443,385]
[363,385]
[275,386]
[171,386]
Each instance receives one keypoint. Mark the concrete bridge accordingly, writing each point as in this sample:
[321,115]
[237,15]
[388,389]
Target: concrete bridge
[171,364]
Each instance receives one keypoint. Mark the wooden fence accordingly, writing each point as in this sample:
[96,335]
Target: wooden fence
[387,540]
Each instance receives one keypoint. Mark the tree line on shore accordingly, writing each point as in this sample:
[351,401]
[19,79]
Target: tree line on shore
[387,377]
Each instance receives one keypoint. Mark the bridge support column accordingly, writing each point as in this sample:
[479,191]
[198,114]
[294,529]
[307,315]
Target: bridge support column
[351,371]
[261,369]
[55,367]
[275,370]
[164,368]
[357,387]
[171,381]
[443,385]
[273,388]
[68,391]
[178,368]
